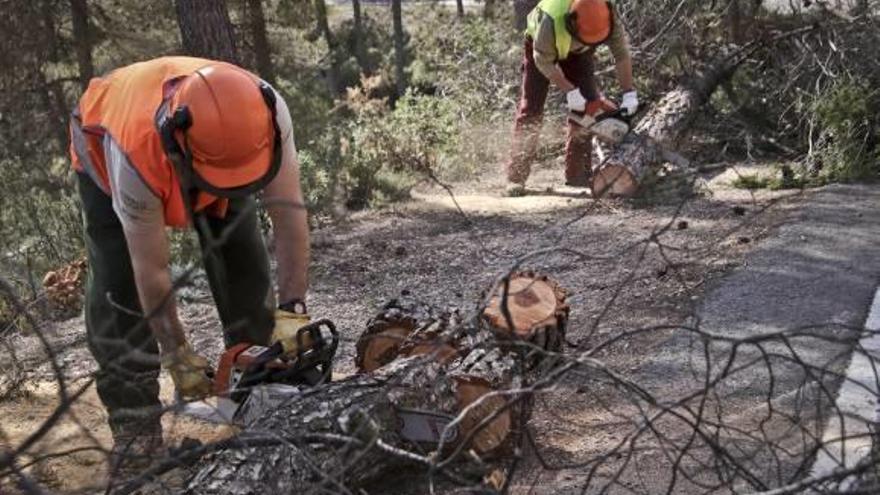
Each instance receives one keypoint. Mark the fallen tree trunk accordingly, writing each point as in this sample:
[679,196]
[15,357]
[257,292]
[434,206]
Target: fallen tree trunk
[668,122]
[344,434]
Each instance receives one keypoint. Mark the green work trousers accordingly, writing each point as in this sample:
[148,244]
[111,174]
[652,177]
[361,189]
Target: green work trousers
[120,338]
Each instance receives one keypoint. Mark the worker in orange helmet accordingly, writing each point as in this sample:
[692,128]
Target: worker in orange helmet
[180,141]
[561,38]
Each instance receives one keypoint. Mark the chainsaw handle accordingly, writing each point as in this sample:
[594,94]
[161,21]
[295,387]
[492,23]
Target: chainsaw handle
[313,330]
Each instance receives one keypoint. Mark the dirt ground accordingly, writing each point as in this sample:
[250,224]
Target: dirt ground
[597,250]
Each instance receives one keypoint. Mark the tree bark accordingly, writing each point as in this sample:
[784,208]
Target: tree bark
[82,35]
[262,48]
[359,48]
[205,29]
[459,8]
[52,92]
[735,21]
[344,434]
[399,47]
[333,80]
[488,9]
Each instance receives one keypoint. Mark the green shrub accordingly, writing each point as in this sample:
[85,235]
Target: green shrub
[847,116]
[393,148]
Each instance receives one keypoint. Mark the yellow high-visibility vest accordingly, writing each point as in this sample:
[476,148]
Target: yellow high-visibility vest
[557,10]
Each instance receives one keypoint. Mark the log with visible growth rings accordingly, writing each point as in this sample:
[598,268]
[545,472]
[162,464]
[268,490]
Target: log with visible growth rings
[531,308]
[404,327]
[527,307]
[414,359]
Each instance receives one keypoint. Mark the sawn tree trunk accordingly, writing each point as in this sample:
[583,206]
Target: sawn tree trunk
[667,124]
[347,433]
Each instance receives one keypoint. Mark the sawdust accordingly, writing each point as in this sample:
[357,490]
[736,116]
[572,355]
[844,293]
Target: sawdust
[426,247]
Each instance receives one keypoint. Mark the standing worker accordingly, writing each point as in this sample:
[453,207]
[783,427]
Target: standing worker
[561,40]
[180,141]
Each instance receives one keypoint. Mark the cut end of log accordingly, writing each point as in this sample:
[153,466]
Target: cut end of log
[616,180]
[405,328]
[379,349]
[535,308]
[493,435]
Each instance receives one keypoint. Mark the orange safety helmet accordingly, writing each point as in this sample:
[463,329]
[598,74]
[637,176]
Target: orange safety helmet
[590,21]
[219,129]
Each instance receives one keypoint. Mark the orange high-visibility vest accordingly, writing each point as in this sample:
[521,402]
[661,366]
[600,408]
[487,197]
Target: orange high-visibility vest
[124,105]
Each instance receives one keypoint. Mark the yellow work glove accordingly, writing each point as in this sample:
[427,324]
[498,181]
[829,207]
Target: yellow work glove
[286,326]
[190,373]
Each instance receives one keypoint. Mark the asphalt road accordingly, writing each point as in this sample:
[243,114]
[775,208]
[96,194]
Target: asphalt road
[782,331]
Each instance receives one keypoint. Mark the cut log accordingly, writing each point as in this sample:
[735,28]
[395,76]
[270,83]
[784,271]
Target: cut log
[534,310]
[623,173]
[669,122]
[347,433]
[401,327]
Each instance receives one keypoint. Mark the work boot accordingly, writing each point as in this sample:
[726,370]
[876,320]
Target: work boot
[136,445]
[515,190]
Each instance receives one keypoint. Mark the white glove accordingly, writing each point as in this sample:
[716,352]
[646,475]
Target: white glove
[576,101]
[629,103]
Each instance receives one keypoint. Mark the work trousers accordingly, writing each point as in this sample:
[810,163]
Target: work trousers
[578,68]
[120,338]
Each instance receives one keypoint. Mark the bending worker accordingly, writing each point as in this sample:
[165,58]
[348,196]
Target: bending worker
[181,141]
[561,39]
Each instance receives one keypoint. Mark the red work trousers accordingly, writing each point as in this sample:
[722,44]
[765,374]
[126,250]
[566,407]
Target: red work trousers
[578,68]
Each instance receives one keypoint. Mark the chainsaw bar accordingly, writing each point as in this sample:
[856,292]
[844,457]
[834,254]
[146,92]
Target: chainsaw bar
[610,127]
[425,427]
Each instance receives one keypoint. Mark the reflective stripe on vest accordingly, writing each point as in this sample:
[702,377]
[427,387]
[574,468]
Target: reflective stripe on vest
[123,104]
[83,153]
[557,10]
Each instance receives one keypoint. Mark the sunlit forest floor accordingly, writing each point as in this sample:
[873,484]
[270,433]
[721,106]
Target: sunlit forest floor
[447,256]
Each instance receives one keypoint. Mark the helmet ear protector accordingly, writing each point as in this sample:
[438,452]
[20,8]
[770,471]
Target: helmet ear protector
[572,27]
[181,156]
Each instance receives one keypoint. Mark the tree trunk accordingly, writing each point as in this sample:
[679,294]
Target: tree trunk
[459,8]
[488,9]
[347,433]
[735,22]
[359,48]
[521,9]
[262,49]
[399,46]
[668,123]
[333,80]
[52,92]
[205,29]
[82,36]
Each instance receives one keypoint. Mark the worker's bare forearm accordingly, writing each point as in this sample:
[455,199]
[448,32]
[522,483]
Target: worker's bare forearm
[557,77]
[625,73]
[286,206]
[291,250]
[157,299]
[148,246]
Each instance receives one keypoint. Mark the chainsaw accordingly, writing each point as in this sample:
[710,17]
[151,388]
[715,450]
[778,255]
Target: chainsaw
[609,127]
[251,379]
